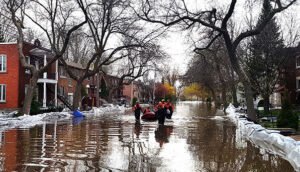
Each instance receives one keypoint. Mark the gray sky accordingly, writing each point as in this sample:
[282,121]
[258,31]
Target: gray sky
[176,44]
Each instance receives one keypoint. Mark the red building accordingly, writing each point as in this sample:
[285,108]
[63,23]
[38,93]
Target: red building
[66,85]
[290,76]
[132,90]
[14,79]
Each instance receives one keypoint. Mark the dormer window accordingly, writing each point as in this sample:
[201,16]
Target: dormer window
[3,63]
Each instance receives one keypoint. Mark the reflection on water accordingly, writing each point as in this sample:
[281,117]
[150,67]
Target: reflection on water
[191,141]
[162,134]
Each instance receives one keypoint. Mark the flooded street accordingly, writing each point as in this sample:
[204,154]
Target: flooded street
[194,140]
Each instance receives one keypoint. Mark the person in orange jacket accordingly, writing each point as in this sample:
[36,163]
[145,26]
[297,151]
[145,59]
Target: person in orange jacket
[137,108]
[160,113]
[169,106]
[146,110]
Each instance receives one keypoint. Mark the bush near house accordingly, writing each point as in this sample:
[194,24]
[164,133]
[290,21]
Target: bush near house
[287,117]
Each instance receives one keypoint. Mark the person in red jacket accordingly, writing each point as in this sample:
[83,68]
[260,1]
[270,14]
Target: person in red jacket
[137,108]
[146,110]
[170,107]
[160,113]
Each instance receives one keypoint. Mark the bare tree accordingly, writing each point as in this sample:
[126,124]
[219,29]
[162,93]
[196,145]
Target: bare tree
[50,17]
[137,64]
[216,21]
[7,30]
[114,31]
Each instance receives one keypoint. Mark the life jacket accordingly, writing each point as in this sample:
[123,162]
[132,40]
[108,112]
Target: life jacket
[146,110]
[169,106]
[137,107]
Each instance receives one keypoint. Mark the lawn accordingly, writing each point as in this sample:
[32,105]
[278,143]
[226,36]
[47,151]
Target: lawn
[272,124]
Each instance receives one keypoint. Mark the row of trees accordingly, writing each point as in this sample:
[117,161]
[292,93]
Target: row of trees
[262,60]
[97,33]
[216,26]
[118,29]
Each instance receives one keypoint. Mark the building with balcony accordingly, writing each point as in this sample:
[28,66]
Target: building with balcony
[14,79]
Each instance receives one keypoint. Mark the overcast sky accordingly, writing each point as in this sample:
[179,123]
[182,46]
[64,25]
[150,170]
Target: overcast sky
[176,43]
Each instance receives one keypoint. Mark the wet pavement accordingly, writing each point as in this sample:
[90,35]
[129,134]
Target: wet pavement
[194,140]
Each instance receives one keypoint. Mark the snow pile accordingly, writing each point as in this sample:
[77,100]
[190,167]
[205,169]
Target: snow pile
[269,140]
[27,121]
[109,109]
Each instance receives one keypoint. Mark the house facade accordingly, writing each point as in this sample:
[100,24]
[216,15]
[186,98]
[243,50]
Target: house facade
[132,90]
[67,85]
[14,79]
[290,77]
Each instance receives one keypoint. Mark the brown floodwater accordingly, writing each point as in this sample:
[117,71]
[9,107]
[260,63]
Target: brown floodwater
[194,140]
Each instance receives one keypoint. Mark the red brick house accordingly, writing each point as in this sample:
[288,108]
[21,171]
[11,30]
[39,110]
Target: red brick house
[290,77]
[66,85]
[132,90]
[14,78]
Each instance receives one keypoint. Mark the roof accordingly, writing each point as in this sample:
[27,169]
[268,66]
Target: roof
[75,65]
[40,52]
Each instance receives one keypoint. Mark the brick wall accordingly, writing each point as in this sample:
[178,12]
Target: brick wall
[11,77]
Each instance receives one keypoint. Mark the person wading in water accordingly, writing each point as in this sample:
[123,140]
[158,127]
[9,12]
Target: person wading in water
[137,111]
[169,110]
[160,113]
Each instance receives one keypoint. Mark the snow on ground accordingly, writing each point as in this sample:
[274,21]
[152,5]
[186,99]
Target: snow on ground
[27,121]
[269,140]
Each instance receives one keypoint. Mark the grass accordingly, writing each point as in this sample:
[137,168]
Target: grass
[267,124]
[272,113]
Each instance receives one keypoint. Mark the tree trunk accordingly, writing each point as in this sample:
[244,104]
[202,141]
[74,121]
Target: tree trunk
[224,101]
[77,96]
[234,96]
[30,93]
[266,105]
[242,76]
[249,102]
[110,94]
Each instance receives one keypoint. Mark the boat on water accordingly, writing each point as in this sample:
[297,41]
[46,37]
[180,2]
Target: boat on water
[149,116]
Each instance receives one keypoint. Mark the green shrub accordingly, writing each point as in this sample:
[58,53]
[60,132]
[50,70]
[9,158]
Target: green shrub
[134,100]
[287,117]
[35,105]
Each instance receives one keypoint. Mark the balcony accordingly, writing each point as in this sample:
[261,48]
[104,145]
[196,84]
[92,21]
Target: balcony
[47,77]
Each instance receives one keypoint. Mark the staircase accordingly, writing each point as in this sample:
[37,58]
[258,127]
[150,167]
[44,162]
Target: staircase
[62,98]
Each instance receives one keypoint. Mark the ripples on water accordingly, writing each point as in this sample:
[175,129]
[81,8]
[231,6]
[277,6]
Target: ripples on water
[194,140]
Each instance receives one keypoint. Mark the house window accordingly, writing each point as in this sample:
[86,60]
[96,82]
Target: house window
[70,82]
[298,84]
[63,72]
[62,90]
[298,62]
[28,62]
[70,98]
[2,63]
[2,93]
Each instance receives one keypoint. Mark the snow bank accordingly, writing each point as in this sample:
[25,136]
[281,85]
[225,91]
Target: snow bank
[270,140]
[109,109]
[27,121]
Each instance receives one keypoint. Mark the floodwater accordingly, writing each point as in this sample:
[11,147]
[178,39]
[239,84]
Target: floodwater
[194,140]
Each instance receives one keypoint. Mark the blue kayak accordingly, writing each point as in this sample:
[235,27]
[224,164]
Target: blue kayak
[78,114]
